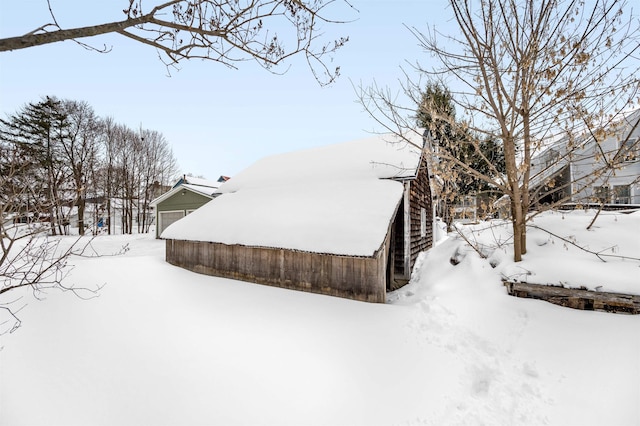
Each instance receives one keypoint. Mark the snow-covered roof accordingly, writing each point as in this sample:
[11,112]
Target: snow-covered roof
[337,199]
[200,182]
[621,125]
[206,191]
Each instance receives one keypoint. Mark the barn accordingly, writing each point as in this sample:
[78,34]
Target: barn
[346,220]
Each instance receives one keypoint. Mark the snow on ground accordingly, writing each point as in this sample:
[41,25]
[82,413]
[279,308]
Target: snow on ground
[165,346]
[561,250]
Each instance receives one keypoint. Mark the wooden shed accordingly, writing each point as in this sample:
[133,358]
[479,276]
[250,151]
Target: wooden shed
[346,220]
[187,195]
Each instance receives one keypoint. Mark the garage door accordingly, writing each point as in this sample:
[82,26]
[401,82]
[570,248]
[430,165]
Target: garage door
[167,218]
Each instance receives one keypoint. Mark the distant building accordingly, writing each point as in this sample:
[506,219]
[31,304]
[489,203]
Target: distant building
[563,174]
[187,194]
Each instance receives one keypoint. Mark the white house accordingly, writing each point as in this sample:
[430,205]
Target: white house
[579,174]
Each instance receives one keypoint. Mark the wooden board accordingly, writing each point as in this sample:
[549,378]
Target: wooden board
[577,298]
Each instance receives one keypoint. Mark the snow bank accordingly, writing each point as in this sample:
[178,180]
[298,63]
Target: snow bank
[165,346]
[524,361]
[561,251]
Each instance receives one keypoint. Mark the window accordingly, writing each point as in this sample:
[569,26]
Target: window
[629,149]
[423,222]
[551,158]
[622,194]
[601,193]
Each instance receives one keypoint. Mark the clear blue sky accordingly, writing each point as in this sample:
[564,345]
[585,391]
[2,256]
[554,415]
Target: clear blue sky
[218,120]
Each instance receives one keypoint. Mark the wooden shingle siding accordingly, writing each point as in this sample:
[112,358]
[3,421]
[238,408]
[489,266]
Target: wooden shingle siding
[408,243]
[359,278]
[420,198]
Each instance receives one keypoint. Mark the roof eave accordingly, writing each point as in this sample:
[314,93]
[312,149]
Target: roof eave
[174,191]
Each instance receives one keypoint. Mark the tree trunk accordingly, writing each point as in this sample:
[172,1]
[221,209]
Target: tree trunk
[518,225]
[52,220]
[526,175]
[108,214]
[515,193]
[523,229]
[81,207]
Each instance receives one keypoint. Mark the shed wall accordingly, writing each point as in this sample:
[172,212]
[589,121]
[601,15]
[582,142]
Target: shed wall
[419,199]
[359,278]
[407,239]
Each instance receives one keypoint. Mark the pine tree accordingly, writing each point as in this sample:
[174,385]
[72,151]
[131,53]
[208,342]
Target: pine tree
[461,155]
[35,135]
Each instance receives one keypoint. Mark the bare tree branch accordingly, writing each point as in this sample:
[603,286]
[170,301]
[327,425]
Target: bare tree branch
[223,31]
[525,74]
[600,255]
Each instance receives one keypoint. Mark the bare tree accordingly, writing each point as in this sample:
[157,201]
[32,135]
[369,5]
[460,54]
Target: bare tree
[109,180]
[133,164]
[224,31]
[80,149]
[525,73]
[126,168]
[29,256]
[52,155]
[157,166]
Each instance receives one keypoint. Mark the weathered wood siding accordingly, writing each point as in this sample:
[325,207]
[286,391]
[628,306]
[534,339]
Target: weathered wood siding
[408,240]
[420,198]
[359,278]
[577,298]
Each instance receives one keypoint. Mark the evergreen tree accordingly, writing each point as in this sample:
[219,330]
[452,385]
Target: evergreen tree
[455,146]
[35,136]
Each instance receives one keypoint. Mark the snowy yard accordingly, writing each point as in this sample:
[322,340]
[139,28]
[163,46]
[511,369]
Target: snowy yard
[165,346]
